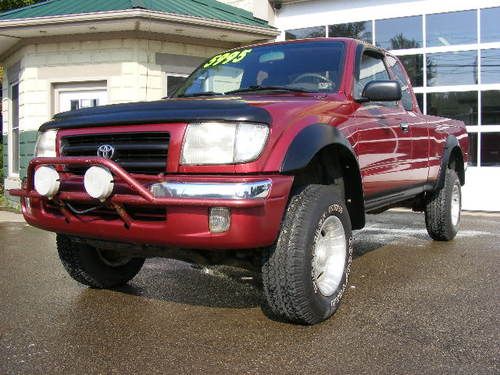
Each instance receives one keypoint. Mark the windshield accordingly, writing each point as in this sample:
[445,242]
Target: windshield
[300,66]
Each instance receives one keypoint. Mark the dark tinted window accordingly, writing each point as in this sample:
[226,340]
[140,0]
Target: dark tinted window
[472,149]
[490,108]
[490,65]
[444,29]
[490,25]
[173,83]
[399,33]
[308,32]
[357,30]
[414,66]
[456,105]
[400,76]
[490,152]
[452,68]
[15,128]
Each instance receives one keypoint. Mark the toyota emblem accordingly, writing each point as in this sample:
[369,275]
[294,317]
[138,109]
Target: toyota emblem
[105,151]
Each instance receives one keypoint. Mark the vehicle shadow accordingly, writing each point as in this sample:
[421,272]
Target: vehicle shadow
[213,286]
[180,282]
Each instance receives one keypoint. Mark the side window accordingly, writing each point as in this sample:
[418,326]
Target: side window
[400,75]
[371,68]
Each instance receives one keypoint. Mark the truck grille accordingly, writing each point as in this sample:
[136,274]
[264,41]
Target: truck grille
[144,153]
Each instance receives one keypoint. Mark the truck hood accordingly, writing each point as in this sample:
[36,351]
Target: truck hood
[161,111]
[248,108]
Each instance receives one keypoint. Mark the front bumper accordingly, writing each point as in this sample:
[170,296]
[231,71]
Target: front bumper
[181,204]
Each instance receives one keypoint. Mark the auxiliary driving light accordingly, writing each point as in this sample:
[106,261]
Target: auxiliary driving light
[47,181]
[219,219]
[99,183]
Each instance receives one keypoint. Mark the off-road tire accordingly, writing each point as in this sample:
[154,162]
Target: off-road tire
[438,210]
[84,264]
[290,292]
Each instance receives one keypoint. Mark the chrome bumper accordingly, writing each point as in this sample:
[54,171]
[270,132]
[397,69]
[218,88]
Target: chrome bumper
[212,190]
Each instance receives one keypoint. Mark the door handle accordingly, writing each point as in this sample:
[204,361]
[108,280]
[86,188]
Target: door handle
[405,126]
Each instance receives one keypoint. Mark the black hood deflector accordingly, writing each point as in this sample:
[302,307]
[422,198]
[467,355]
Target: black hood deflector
[162,111]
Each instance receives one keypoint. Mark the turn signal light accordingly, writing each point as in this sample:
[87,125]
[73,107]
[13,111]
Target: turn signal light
[219,219]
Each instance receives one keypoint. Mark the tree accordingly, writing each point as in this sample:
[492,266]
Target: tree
[356,30]
[6,5]
[413,63]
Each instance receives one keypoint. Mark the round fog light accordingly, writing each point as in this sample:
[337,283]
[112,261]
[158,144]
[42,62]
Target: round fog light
[98,183]
[47,181]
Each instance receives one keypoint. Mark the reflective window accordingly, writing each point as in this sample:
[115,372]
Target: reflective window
[357,30]
[452,68]
[472,150]
[283,65]
[445,29]
[456,105]
[490,27]
[490,108]
[490,152]
[490,65]
[308,32]
[371,69]
[399,33]
[400,76]
[414,66]
[420,101]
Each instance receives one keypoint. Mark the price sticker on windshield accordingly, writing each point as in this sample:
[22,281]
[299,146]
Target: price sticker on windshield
[228,57]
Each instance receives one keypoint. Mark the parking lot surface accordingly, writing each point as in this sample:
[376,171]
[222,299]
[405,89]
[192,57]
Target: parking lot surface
[413,306]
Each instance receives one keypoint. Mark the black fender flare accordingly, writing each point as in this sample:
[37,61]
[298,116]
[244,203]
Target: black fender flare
[308,143]
[451,145]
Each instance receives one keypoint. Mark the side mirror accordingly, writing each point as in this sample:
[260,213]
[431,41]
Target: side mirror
[381,91]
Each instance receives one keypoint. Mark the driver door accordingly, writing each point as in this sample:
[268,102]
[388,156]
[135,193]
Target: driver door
[384,146]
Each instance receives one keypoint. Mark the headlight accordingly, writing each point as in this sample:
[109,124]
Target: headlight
[223,143]
[46,144]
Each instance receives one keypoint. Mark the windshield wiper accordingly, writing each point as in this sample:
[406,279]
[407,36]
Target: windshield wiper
[206,93]
[266,88]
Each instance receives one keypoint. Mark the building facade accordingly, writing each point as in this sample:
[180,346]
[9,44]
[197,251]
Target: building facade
[451,50]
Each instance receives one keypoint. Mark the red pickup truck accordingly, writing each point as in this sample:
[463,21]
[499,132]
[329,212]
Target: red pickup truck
[266,157]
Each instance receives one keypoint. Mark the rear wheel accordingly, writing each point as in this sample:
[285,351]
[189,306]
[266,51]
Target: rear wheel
[443,209]
[96,268]
[305,274]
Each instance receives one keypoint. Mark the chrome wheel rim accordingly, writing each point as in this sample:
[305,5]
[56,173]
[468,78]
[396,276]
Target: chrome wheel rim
[113,259]
[329,255]
[455,205]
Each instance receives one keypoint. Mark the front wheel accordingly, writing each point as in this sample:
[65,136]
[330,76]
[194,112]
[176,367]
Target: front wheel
[305,274]
[94,267]
[443,209]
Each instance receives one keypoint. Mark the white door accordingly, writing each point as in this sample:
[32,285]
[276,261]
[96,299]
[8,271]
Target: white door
[72,100]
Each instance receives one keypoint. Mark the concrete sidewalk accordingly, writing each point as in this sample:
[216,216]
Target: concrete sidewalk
[10,217]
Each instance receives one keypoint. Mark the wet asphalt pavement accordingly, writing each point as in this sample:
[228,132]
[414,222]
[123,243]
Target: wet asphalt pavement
[414,306]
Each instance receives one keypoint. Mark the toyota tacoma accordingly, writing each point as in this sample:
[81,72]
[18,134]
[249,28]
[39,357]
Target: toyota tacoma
[266,157]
